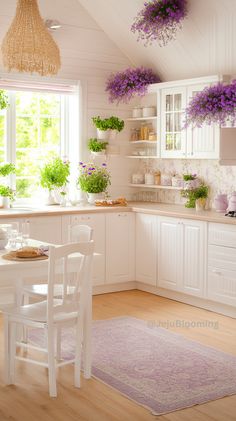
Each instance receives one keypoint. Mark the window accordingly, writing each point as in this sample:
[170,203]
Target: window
[35,127]
[38,136]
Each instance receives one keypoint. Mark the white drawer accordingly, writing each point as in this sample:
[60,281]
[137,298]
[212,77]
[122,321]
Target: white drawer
[222,257]
[221,285]
[222,235]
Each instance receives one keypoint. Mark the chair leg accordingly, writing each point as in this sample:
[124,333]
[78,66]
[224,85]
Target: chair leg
[25,301]
[7,349]
[51,363]
[78,354]
[58,343]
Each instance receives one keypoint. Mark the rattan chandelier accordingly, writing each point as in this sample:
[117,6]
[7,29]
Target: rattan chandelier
[28,46]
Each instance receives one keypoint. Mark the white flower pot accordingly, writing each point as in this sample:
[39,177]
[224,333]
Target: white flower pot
[92,197]
[98,153]
[103,134]
[50,199]
[4,202]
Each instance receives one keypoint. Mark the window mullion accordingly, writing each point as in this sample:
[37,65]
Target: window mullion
[11,135]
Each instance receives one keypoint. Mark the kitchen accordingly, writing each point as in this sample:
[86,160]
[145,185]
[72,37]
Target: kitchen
[156,259]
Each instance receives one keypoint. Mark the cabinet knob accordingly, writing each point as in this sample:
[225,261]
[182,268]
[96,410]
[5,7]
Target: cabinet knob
[216,272]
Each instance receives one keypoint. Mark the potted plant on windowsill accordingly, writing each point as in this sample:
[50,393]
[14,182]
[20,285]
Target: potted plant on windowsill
[108,128]
[94,180]
[54,177]
[6,196]
[6,193]
[96,147]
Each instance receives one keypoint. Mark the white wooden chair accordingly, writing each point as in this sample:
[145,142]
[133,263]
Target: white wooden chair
[53,313]
[76,233]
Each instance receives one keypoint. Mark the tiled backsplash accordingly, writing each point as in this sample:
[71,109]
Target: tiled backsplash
[219,178]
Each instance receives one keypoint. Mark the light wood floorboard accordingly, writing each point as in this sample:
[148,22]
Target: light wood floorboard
[28,400]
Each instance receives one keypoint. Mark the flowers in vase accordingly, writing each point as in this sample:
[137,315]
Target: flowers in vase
[93,178]
[214,104]
[159,21]
[124,85]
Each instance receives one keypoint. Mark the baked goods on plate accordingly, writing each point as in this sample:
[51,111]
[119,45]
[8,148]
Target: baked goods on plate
[121,201]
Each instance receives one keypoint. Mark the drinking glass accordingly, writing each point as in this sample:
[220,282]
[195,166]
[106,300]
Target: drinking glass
[25,229]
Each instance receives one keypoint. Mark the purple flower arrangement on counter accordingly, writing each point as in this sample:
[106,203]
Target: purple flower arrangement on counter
[159,21]
[123,86]
[93,178]
[214,104]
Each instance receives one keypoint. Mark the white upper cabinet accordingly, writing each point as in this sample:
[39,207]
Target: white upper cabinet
[173,138]
[202,143]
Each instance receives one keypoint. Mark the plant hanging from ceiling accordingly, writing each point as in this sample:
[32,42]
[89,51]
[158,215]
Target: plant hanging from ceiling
[214,104]
[124,85]
[159,21]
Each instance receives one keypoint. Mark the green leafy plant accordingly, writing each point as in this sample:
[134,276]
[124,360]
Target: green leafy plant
[95,146]
[6,169]
[6,191]
[93,178]
[111,123]
[193,194]
[3,100]
[55,174]
[189,177]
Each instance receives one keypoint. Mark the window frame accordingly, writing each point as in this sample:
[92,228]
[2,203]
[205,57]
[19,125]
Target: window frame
[67,142]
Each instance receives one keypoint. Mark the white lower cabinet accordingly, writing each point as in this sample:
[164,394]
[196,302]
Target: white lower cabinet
[120,237]
[97,223]
[45,228]
[221,282]
[181,255]
[146,248]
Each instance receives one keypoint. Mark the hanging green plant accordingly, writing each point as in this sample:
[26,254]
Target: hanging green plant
[3,100]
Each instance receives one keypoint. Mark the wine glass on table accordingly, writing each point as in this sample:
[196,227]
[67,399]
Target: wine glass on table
[25,229]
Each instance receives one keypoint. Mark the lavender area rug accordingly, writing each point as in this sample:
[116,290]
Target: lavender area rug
[154,367]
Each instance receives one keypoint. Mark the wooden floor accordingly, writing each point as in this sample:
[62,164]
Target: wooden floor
[28,400]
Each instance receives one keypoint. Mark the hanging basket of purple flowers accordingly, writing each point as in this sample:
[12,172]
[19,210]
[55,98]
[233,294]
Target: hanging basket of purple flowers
[124,85]
[214,104]
[159,21]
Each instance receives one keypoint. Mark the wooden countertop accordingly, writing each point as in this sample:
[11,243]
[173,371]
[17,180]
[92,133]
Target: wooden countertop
[163,209]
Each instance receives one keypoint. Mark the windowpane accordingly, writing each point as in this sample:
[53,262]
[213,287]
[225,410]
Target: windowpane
[37,137]
[50,131]
[26,103]
[26,132]
[49,105]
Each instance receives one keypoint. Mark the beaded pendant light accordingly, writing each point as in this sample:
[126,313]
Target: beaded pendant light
[28,46]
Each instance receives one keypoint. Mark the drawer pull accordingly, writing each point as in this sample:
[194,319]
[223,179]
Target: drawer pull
[217,272]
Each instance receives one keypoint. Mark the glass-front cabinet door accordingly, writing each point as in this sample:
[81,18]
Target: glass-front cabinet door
[173,136]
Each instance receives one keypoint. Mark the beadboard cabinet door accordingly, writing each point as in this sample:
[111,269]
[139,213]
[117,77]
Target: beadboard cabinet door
[120,239]
[146,248]
[194,256]
[170,266]
[203,142]
[182,251]
[45,228]
[97,223]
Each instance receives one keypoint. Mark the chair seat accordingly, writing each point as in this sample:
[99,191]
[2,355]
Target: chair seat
[37,312]
[42,290]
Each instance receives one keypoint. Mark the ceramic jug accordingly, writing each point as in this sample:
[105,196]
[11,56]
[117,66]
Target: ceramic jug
[221,202]
[232,202]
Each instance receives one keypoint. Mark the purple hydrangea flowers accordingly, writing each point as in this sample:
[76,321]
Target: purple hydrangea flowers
[214,104]
[124,85]
[159,20]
